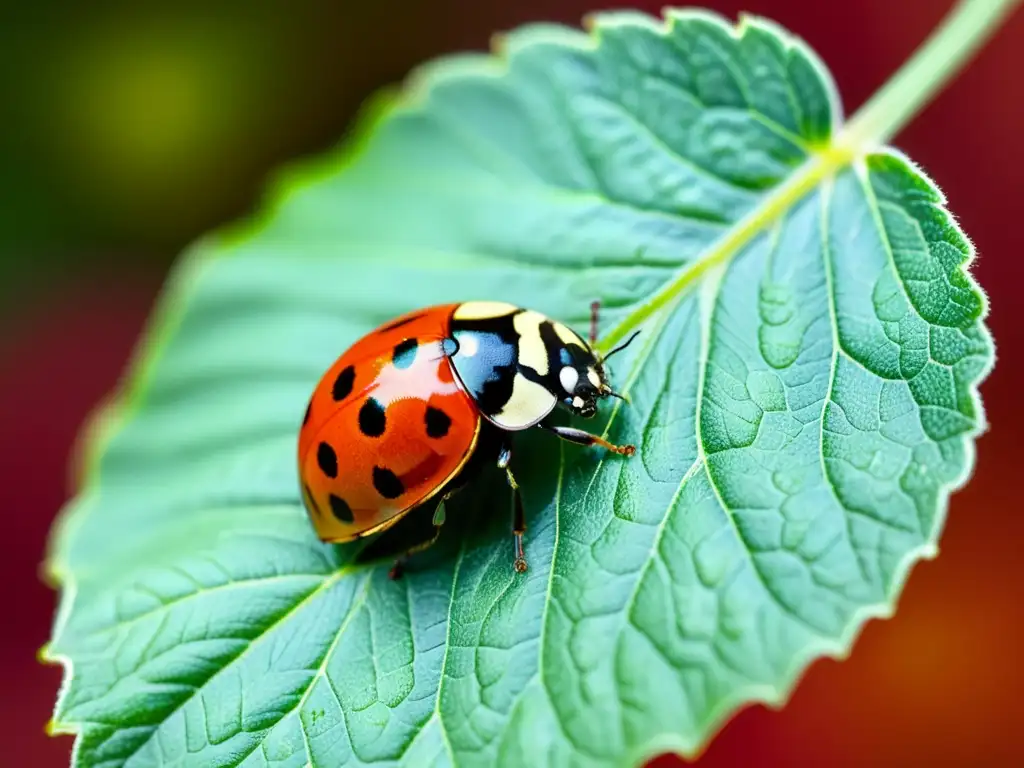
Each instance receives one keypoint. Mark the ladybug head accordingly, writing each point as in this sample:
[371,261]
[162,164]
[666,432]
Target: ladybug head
[584,380]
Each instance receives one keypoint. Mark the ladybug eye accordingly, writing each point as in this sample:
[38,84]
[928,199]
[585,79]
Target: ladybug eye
[568,377]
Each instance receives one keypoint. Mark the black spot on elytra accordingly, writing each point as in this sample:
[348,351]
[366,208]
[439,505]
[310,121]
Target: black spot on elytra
[372,421]
[327,459]
[341,509]
[438,422]
[387,483]
[343,384]
[405,353]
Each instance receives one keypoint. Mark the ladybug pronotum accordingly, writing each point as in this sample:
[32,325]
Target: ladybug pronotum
[410,412]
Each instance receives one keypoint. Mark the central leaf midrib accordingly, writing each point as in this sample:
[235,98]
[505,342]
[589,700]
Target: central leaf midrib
[826,199]
[708,299]
[820,166]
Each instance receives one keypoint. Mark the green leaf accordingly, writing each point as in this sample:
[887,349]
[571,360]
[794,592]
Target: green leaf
[804,401]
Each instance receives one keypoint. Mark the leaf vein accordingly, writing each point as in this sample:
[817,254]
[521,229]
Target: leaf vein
[167,605]
[444,660]
[305,600]
[826,251]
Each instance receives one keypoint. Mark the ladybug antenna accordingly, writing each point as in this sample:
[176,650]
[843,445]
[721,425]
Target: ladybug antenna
[613,393]
[595,307]
[622,346]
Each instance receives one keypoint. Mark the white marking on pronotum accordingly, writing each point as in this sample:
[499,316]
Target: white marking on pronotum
[594,378]
[529,403]
[568,377]
[567,335]
[532,352]
[477,310]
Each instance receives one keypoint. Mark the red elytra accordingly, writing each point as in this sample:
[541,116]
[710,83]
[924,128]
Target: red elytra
[381,437]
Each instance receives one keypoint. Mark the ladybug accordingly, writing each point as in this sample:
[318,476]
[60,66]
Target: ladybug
[414,409]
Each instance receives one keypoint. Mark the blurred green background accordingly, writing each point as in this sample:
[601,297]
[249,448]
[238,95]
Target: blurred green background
[129,129]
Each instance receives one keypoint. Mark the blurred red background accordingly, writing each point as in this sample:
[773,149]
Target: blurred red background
[131,130]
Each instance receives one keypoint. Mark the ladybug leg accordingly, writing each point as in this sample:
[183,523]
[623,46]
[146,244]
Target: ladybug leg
[439,514]
[585,438]
[518,524]
[518,514]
